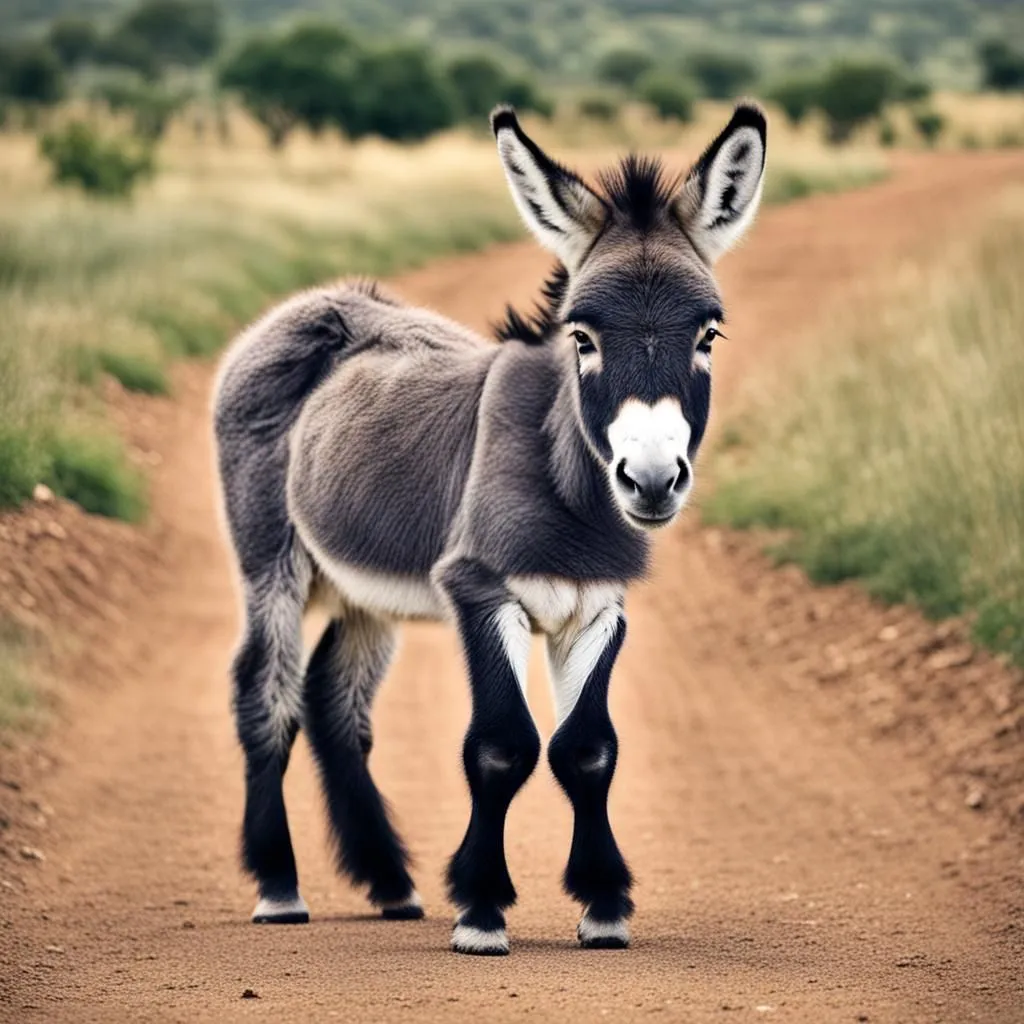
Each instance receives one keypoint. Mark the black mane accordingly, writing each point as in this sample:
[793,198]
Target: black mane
[639,191]
[535,327]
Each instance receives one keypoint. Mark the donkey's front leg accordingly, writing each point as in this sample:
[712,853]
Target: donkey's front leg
[582,753]
[500,751]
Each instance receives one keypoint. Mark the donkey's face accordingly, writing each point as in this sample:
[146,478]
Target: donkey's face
[640,310]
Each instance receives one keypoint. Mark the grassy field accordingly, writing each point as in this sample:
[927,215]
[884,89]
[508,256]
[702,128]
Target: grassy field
[92,287]
[898,458]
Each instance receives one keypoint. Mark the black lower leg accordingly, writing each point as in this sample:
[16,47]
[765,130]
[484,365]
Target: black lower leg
[583,753]
[267,852]
[369,850]
[501,750]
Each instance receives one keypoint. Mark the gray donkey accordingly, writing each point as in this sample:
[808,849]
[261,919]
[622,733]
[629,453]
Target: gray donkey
[384,463]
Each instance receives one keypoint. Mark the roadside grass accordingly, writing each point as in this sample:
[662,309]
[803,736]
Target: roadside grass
[19,698]
[897,456]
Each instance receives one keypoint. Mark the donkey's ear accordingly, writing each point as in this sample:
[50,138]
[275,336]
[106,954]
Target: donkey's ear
[557,206]
[722,192]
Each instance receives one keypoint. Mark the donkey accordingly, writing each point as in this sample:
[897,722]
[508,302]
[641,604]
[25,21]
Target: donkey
[385,463]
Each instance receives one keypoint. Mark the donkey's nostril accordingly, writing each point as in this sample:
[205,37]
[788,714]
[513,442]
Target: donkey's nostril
[624,478]
[683,476]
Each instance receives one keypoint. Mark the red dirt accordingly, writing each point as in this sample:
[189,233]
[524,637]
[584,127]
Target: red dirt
[792,790]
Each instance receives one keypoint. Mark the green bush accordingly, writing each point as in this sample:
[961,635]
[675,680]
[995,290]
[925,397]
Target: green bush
[183,32]
[150,105]
[481,83]
[930,124]
[721,76]
[32,73]
[136,371]
[796,95]
[92,471]
[598,106]
[852,92]
[1002,66]
[73,38]
[624,67]
[886,133]
[79,155]
[669,96]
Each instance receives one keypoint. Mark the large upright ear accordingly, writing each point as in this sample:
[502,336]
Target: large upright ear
[556,205]
[722,192]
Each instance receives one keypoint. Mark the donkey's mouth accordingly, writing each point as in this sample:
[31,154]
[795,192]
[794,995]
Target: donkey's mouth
[649,522]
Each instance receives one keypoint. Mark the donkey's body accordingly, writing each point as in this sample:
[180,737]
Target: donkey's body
[388,464]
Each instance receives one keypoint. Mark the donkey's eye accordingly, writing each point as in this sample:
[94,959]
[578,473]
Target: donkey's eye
[704,345]
[584,343]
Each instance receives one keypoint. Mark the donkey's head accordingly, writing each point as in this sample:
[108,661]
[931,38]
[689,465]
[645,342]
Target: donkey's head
[638,310]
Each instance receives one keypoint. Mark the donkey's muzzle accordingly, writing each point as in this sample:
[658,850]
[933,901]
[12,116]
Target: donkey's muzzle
[652,494]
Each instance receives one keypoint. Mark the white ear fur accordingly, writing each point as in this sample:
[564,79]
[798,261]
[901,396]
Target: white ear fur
[721,195]
[563,214]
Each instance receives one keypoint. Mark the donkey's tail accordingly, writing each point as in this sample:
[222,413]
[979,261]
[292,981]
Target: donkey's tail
[277,363]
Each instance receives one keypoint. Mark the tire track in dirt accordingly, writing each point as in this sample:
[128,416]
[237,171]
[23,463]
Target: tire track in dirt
[789,868]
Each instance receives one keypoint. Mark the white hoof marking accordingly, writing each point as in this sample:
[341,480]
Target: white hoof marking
[272,910]
[467,939]
[603,933]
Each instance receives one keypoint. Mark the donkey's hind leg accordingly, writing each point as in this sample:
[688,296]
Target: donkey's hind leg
[341,680]
[268,704]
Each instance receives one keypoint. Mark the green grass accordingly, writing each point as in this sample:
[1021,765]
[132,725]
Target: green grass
[19,699]
[786,184]
[897,457]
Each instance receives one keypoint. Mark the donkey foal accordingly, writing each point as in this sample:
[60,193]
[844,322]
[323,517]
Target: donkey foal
[385,463]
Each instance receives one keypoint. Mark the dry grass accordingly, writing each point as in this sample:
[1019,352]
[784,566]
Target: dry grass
[900,457]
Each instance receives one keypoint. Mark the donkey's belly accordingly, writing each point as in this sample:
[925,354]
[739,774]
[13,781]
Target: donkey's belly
[340,587]
[379,462]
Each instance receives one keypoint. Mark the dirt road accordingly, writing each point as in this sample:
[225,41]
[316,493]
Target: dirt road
[791,864]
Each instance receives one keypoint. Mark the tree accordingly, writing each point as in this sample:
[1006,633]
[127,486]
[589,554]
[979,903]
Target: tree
[31,73]
[930,125]
[305,76]
[796,95]
[671,97]
[721,76]
[481,83]
[123,49]
[176,31]
[852,92]
[1002,67]
[74,39]
[624,67]
[151,105]
[402,95]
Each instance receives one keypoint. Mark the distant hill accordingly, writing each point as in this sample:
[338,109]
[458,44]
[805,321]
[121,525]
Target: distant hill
[563,38]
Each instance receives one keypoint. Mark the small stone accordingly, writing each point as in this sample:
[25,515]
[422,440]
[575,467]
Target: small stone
[54,949]
[250,993]
[951,657]
[56,531]
[188,925]
[31,853]
[975,798]
[888,633]
[42,494]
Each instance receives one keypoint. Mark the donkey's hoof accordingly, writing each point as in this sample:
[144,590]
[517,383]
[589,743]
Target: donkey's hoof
[277,911]
[409,909]
[477,942]
[602,934]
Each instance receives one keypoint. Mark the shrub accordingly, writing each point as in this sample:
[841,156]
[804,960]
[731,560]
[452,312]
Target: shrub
[670,97]
[624,67]
[854,91]
[886,133]
[598,106]
[401,95]
[136,371]
[74,39]
[92,471]
[929,124]
[481,83]
[721,75]
[175,31]
[796,95]
[80,156]
[32,73]
[1002,66]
